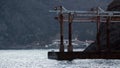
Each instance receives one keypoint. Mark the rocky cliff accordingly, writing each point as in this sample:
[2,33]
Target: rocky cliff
[114,31]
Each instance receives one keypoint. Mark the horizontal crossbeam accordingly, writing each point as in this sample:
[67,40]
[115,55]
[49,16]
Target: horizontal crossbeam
[97,12]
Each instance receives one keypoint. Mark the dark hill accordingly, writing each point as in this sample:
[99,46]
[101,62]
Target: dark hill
[28,24]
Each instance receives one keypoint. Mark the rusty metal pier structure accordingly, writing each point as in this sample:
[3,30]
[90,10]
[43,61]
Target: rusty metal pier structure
[96,15]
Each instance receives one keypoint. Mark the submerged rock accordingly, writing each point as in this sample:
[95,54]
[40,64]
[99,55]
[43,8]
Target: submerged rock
[114,31]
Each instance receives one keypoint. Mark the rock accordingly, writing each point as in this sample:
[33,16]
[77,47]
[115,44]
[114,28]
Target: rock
[115,5]
[114,31]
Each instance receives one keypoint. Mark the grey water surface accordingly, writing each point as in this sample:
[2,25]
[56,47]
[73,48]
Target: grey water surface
[38,59]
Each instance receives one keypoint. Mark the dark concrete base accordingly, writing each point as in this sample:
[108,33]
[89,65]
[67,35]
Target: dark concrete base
[83,55]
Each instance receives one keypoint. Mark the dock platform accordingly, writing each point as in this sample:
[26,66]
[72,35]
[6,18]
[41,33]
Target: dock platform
[83,55]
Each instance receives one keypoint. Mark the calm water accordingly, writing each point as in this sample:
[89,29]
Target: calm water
[38,59]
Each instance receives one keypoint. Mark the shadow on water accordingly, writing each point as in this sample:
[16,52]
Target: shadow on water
[109,62]
[88,63]
[66,62]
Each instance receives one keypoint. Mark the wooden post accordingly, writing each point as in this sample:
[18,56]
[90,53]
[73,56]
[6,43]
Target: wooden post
[61,49]
[70,47]
[98,34]
[108,34]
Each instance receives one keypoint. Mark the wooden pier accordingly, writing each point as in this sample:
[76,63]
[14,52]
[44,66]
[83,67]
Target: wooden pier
[96,16]
[83,55]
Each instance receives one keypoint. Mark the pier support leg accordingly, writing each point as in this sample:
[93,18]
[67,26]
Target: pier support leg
[61,49]
[98,34]
[70,47]
[108,34]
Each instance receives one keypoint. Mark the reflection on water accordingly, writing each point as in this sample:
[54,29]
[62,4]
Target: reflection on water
[87,63]
[38,59]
